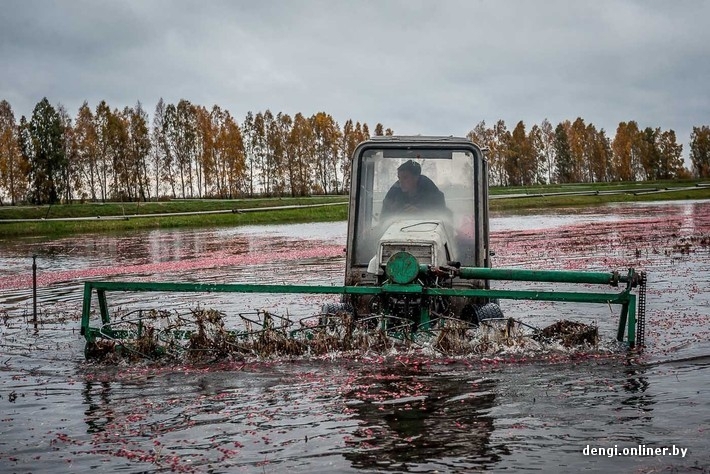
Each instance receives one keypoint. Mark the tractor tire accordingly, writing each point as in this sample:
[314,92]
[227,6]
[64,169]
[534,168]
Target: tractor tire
[335,308]
[329,311]
[489,311]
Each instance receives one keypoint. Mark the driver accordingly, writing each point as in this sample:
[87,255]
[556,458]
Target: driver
[413,192]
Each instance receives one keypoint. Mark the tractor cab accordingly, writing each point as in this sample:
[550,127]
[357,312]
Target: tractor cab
[420,201]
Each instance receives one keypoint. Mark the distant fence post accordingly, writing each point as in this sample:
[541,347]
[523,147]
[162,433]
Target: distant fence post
[34,289]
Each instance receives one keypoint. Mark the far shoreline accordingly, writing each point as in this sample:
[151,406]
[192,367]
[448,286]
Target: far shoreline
[118,217]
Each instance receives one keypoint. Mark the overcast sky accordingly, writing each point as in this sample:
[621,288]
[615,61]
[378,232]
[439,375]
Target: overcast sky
[418,67]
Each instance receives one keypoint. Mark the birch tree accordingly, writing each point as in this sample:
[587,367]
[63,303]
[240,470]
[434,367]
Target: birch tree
[162,162]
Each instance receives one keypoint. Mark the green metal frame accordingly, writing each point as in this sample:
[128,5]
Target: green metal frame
[625,298]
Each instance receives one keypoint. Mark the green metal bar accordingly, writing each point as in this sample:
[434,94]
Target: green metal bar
[101,286]
[632,321]
[91,334]
[86,313]
[575,297]
[622,321]
[551,276]
[395,288]
[103,306]
[627,308]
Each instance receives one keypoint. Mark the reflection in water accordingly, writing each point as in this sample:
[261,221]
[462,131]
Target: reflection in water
[100,409]
[413,418]
[396,415]
[637,385]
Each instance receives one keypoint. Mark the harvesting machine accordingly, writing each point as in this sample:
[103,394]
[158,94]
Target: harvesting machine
[408,272]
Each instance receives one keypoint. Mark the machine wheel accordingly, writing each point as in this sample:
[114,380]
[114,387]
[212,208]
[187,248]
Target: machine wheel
[489,311]
[329,311]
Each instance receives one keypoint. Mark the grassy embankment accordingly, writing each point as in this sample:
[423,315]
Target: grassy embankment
[98,217]
[559,195]
[238,212]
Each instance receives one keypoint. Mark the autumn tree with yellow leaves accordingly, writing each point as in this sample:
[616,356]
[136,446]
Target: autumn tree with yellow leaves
[14,166]
[700,151]
[189,151]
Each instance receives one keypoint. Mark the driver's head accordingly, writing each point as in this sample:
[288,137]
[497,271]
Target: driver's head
[408,174]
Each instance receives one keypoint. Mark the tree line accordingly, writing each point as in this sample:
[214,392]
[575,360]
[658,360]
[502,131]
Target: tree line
[577,152]
[189,151]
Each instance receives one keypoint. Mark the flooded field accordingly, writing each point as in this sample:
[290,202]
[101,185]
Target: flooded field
[371,412]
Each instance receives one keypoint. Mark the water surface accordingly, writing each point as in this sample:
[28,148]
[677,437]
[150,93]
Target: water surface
[399,412]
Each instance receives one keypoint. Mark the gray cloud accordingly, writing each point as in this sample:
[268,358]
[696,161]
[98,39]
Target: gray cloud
[431,67]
